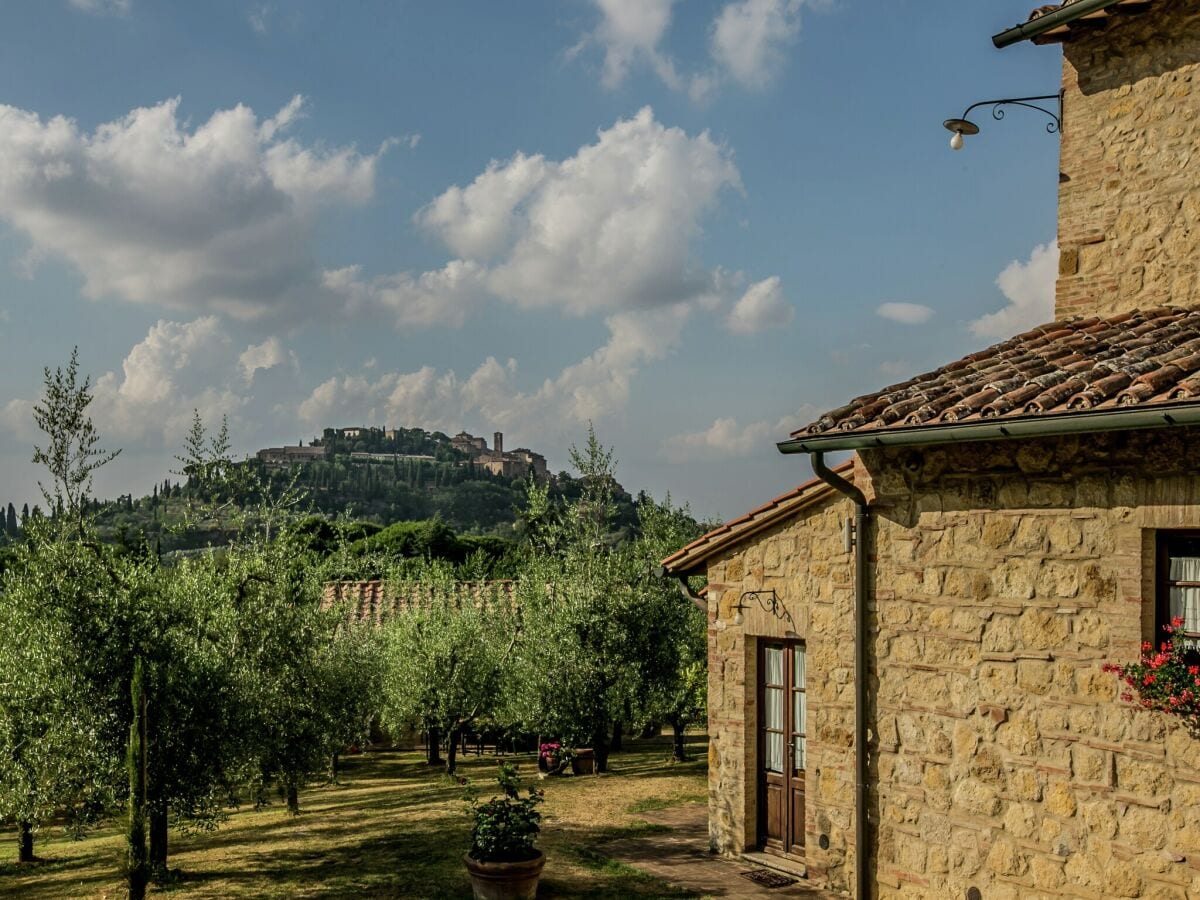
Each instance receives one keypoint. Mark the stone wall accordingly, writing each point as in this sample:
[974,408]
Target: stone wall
[1004,576]
[805,562]
[1129,199]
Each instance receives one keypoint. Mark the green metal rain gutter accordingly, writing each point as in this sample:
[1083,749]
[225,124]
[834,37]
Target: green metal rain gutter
[1120,419]
[1042,24]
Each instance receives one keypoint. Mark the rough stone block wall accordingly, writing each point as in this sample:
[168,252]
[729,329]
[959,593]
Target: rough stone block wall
[1006,575]
[806,563]
[1129,201]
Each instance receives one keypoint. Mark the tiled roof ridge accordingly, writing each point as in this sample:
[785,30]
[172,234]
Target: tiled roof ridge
[1049,8]
[1087,21]
[1079,363]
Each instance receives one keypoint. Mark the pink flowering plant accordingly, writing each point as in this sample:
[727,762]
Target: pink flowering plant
[554,758]
[1166,679]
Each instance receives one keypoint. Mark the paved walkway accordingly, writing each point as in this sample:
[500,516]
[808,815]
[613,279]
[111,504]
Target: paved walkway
[680,857]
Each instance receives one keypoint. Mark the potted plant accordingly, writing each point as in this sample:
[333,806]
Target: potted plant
[554,758]
[502,861]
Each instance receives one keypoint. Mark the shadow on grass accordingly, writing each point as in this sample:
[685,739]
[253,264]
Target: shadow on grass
[392,828]
[422,862]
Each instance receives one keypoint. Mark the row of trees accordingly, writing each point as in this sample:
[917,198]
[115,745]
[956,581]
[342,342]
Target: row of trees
[10,525]
[176,690]
[173,691]
[594,641]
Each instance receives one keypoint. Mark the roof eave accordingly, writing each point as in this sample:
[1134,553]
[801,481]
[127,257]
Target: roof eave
[1120,419]
[691,559]
[1035,28]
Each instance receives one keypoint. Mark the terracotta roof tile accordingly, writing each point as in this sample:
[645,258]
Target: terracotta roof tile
[376,602]
[1092,21]
[1140,358]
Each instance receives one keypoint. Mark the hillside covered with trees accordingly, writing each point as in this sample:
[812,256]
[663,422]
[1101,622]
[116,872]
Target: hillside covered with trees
[374,494]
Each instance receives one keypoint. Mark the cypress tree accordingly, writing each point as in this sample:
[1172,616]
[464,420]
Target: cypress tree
[10,523]
[135,761]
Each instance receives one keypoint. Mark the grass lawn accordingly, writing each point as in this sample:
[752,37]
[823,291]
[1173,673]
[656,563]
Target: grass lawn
[392,828]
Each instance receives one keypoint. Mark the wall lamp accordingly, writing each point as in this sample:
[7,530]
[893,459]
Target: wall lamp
[768,601]
[964,126]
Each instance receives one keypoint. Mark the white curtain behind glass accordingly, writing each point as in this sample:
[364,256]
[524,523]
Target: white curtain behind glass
[800,709]
[773,714]
[773,752]
[1185,601]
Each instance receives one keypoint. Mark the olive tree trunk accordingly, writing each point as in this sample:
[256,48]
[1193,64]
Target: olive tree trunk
[452,751]
[25,842]
[678,746]
[600,750]
[433,754]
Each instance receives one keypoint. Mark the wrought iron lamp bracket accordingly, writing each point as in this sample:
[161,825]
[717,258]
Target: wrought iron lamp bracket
[964,126]
[997,106]
[768,601]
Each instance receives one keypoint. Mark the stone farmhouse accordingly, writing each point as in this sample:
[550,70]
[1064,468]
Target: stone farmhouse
[906,685]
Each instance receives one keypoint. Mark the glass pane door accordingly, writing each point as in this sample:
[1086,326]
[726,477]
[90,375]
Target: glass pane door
[774,727]
[799,708]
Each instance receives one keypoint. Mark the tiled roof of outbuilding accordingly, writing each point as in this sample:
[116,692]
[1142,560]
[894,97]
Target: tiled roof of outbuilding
[1138,359]
[377,602]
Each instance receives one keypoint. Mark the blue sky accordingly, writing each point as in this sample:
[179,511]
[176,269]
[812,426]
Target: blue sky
[696,224]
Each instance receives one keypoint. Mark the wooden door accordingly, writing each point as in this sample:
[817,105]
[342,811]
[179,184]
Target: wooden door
[782,722]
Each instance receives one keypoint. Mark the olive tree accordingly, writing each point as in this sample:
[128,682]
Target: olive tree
[53,735]
[445,665]
[577,671]
[674,666]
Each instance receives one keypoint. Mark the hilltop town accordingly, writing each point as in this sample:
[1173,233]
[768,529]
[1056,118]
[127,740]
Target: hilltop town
[360,444]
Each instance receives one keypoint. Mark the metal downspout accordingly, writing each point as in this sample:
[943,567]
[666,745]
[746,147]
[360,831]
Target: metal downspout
[861,774]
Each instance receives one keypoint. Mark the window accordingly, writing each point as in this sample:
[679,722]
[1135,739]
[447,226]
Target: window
[1178,594]
[799,710]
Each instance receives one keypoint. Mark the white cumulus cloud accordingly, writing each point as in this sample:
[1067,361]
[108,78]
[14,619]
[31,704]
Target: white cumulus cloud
[762,306]
[258,17]
[596,387]
[256,357]
[905,313]
[748,40]
[440,297]
[608,229]
[103,7]
[218,217]
[726,438]
[1029,288]
[176,368]
[630,32]
[749,37]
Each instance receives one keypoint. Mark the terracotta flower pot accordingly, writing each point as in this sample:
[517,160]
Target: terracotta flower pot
[505,880]
[584,762]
